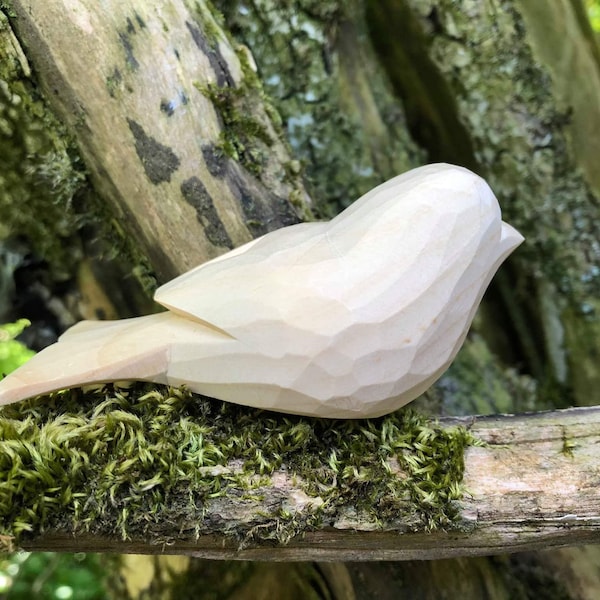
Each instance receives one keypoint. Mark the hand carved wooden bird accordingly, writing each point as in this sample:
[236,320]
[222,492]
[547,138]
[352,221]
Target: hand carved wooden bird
[353,317]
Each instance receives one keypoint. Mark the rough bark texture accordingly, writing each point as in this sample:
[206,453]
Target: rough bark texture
[318,65]
[505,92]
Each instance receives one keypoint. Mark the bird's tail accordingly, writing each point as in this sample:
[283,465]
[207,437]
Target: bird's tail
[99,351]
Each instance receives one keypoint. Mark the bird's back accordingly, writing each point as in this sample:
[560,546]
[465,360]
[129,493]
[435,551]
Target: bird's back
[379,256]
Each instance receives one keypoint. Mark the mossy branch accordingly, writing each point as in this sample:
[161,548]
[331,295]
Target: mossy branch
[164,466]
[157,470]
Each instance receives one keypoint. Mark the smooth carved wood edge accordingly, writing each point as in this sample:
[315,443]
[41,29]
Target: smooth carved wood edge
[299,321]
[533,485]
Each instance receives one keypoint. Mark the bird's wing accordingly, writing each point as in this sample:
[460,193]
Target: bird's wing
[386,246]
[243,284]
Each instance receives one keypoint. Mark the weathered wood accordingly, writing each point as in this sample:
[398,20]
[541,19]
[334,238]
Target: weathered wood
[134,86]
[534,484]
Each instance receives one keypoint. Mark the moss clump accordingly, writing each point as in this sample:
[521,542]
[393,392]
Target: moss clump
[211,20]
[241,132]
[568,445]
[156,463]
[40,172]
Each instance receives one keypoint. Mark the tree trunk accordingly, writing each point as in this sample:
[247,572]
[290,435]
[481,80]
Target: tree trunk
[158,101]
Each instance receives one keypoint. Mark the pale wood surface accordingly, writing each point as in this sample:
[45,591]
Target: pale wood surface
[534,485]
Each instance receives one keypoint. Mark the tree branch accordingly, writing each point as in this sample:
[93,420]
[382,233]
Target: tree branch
[533,484]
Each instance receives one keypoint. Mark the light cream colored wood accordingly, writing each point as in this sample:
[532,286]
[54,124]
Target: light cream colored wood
[350,318]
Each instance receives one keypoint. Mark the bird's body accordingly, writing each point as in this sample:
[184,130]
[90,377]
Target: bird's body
[350,318]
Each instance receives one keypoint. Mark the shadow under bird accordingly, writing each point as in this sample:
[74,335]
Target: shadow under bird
[349,318]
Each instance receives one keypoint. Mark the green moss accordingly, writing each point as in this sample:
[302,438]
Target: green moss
[114,83]
[211,20]
[7,7]
[44,193]
[154,462]
[338,114]
[568,445]
[519,135]
[243,138]
[480,98]
[40,172]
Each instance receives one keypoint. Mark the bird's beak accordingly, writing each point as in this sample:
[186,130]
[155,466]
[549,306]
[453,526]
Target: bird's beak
[510,238]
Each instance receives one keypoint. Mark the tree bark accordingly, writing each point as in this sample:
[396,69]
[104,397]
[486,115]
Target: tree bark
[147,91]
[518,110]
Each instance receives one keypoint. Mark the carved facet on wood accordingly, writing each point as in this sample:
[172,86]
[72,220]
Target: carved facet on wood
[353,317]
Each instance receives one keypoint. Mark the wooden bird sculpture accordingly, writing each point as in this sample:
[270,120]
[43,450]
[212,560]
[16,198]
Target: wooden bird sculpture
[353,317]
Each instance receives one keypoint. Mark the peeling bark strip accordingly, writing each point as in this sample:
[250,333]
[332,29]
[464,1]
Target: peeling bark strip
[135,68]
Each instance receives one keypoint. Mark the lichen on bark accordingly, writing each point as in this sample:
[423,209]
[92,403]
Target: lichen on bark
[46,201]
[340,118]
[519,134]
